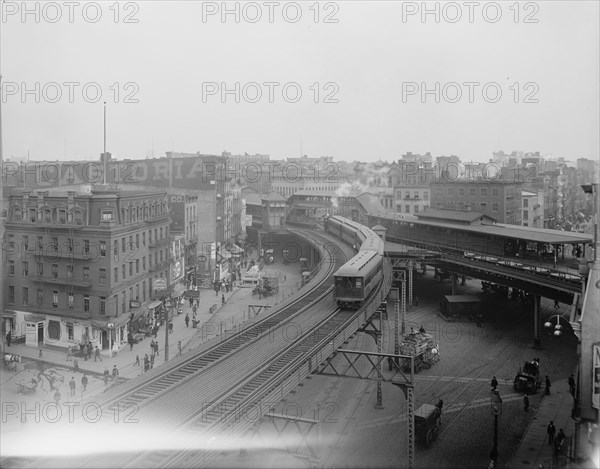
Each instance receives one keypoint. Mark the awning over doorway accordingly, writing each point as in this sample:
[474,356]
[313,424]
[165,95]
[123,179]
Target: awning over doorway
[35,317]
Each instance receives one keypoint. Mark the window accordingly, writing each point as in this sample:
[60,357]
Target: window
[78,217]
[123,301]
[32,215]
[137,292]
[144,263]
[40,268]
[107,215]
[525,214]
[55,299]
[86,303]
[116,304]
[25,268]
[122,244]
[451,191]
[416,209]
[69,271]
[472,192]
[40,242]
[54,271]
[102,305]
[70,245]
[461,191]
[25,296]
[116,249]
[137,266]
[123,271]
[130,296]
[18,215]
[70,300]
[26,242]
[102,276]
[495,206]
[416,194]
[102,248]
[156,258]
[150,260]
[70,333]
[483,192]
[494,192]
[47,216]
[11,294]
[11,268]
[116,274]
[525,203]
[144,238]
[137,241]
[161,233]
[40,296]
[54,243]
[86,246]
[131,243]
[483,206]
[86,273]
[439,192]
[150,236]
[130,269]
[407,208]
[144,290]
[62,216]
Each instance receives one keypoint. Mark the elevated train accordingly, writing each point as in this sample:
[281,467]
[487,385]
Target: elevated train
[357,278]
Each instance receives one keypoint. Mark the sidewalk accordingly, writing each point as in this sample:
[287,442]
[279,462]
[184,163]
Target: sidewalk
[227,317]
[534,451]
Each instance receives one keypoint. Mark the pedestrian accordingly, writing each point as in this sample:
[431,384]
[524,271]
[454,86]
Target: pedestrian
[97,354]
[152,347]
[84,383]
[556,304]
[131,340]
[40,354]
[137,360]
[422,329]
[187,320]
[223,299]
[170,327]
[560,437]
[191,301]
[547,386]
[526,402]
[151,361]
[76,365]
[156,348]
[155,330]
[146,363]
[115,372]
[494,383]
[440,405]
[90,348]
[8,338]
[551,430]
[194,309]
[572,385]
[69,354]
[72,386]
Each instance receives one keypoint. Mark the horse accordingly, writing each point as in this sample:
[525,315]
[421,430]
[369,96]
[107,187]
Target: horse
[11,360]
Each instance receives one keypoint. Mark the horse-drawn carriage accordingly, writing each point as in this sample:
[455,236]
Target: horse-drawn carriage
[11,360]
[422,347]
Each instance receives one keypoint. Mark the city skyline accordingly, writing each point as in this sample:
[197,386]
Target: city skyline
[373,61]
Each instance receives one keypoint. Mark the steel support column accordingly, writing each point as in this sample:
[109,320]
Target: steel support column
[537,325]
[379,404]
[403,303]
[410,283]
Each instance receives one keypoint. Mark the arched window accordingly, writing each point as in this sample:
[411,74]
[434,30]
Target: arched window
[18,214]
[47,215]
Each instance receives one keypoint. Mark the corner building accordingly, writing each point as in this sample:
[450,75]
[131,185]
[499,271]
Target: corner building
[80,261]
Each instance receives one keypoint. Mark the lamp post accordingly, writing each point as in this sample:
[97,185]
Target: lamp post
[557,328]
[496,408]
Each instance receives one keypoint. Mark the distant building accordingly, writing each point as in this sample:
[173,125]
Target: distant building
[497,199]
[533,211]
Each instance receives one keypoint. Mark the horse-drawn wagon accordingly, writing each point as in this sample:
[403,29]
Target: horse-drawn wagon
[422,347]
[427,423]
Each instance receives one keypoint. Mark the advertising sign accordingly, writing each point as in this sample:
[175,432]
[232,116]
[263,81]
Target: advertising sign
[177,270]
[596,376]
[160,284]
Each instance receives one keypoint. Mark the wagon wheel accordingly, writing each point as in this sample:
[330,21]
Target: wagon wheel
[429,437]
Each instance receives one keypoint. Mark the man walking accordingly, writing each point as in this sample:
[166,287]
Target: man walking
[152,347]
[72,386]
[223,299]
[84,383]
[551,430]
[547,386]
[526,402]
[187,320]
[115,372]
[494,383]
[69,354]
[556,304]
[8,338]
[97,354]
[572,385]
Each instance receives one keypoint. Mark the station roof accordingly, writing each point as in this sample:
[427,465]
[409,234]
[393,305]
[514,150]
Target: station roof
[457,216]
[462,299]
[370,203]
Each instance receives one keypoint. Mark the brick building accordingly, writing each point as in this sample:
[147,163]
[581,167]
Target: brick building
[80,261]
[497,199]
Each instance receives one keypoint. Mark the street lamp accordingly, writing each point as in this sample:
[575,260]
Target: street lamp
[496,408]
[557,328]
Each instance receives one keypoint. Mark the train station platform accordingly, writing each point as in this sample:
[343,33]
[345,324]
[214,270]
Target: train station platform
[534,452]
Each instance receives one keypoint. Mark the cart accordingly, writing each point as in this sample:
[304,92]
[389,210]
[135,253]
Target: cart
[27,387]
[427,423]
[422,347]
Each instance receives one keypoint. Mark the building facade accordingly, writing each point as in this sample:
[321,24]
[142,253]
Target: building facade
[80,260]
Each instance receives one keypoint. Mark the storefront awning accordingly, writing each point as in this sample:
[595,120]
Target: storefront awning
[9,313]
[117,322]
[35,317]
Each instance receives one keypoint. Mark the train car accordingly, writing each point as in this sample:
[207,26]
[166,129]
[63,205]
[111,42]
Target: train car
[356,279]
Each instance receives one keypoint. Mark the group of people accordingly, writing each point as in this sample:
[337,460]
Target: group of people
[555,441]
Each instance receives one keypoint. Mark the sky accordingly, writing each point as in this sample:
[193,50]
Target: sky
[355,80]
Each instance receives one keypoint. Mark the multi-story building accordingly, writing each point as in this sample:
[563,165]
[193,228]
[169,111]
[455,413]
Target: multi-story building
[410,183]
[497,199]
[547,183]
[80,261]
[183,209]
[533,210]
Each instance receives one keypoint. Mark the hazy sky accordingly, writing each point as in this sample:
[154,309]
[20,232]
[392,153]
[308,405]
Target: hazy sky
[373,61]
